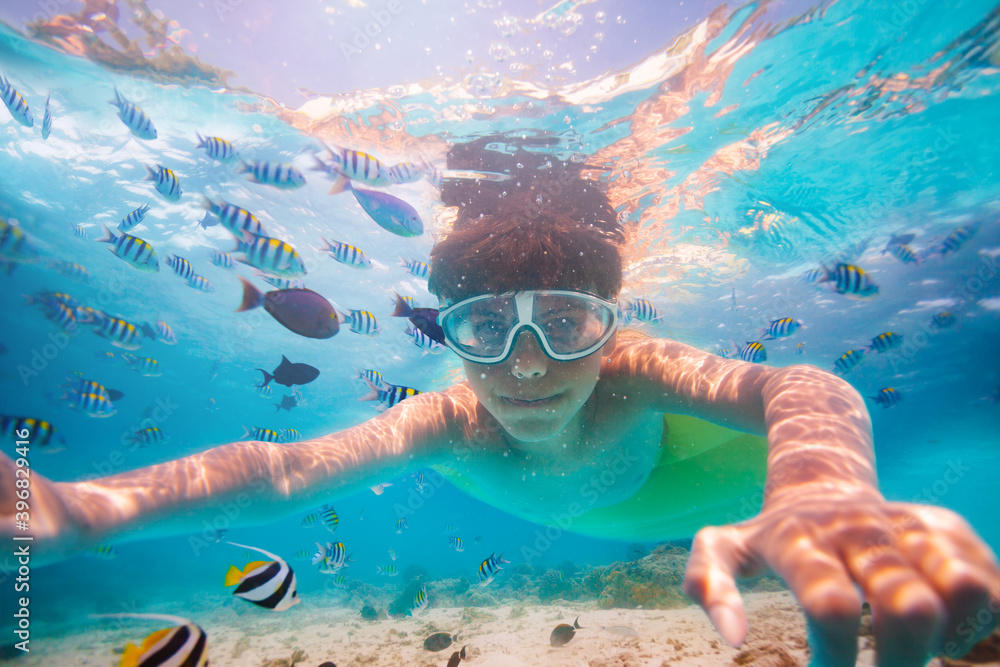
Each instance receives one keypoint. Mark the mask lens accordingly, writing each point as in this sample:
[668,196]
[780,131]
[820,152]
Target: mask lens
[481,327]
[571,323]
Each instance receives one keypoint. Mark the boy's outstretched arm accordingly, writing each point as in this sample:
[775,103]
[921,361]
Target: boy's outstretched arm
[824,528]
[262,480]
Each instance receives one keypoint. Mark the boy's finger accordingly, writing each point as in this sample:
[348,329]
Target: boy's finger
[716,556]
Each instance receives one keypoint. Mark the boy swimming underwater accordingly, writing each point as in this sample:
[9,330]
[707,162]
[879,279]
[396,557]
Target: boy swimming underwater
[554,397]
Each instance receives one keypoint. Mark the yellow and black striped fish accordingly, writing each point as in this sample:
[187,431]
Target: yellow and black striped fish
[40,432]
[135,251]
[184,644]
[133,117]
[271,256]
[268,584]
[217,149]
[15,103]
[165,181]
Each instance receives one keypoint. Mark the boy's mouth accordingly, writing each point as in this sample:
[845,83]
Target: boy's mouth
[530,402]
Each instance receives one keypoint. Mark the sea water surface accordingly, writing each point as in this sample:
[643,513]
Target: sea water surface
[744,146]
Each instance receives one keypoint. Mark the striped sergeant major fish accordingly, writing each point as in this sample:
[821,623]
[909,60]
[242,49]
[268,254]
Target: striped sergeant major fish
[847,361]
[14,244]
[181,266]
[289,435]
[356,166]
[223,260]
[456,544]
[79,232]
[886,341]
[200,283]
[133,117]
[957,238]
[781,328]
[753,352]
[261,434]
[152,435]
[182,644]
[347,254]
[136,252]
[279,175]
[46,299]
[369,374]
[271,256]
[281,283]
[105,551]
[217,149]
[165,181]
[420,601]
[851,281]
[82,385]
[904,254]
[362,322]
[119,332]
[943,320]
[92,405]
[160,331]
[644,311]
[15,103]
[62,315]
[328,516]
[406,172]
[416,268]
[142,365]
[268,584]
[70,269]
[309,520]
[389,570]
[332,557]
[133,218]
[887,397]
[237,220]
[387,394]
[423,341]
[46,120]
[488,568]
[400,524]
[40,432]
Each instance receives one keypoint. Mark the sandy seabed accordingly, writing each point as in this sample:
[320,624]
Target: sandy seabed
[240,635]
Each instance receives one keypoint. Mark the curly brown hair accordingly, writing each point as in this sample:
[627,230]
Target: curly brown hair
[544,227]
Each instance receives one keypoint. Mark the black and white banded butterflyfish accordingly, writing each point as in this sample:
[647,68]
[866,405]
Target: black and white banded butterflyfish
[182,645]
[268,584]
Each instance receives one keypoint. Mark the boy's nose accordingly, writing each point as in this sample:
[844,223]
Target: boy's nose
[528,358]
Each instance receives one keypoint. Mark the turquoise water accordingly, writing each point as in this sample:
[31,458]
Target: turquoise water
[745,149]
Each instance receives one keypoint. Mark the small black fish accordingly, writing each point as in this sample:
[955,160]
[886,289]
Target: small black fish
[290,374]
[438,641]
[563,633]
[287,402]
[456,658]
[424,319]
[299,310]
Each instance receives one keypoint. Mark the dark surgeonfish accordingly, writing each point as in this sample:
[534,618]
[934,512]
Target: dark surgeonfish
[563,633]
[299,310]
[287,403]
[439,641]
[424,319]
[183,644]
[268,584]
[290,374]
[456,658]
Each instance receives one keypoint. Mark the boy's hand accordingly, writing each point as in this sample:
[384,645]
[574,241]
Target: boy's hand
[46,519]
[932,584]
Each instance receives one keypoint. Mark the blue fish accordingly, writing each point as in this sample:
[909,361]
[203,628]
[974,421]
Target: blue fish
[166,182]
[15,103]
[885,342]
[135,120]
[943,320]
[390,213]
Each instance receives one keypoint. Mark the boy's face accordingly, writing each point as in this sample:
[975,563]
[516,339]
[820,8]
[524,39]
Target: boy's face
[533,396]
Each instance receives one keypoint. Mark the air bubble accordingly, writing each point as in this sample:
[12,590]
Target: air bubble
[500,52]
[620,20]
[548,55]
[506,26]
[600,17]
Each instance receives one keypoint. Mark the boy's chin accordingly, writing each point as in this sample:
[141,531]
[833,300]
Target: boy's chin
[534,428]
